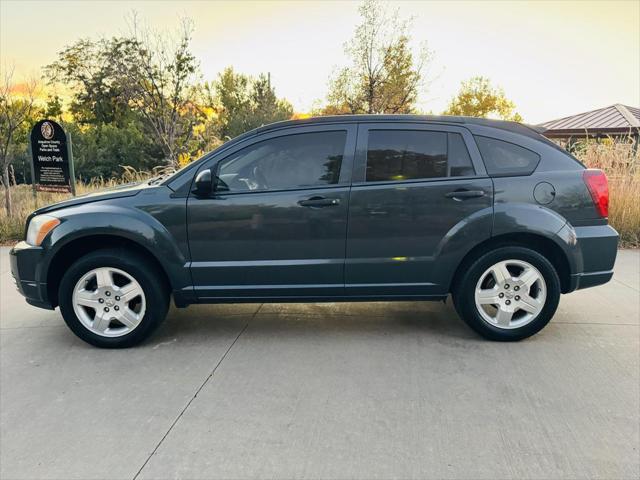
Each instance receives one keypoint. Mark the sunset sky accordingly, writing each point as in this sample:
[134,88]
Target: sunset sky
[552,58]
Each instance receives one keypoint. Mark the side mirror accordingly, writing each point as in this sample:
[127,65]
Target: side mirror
[204,183]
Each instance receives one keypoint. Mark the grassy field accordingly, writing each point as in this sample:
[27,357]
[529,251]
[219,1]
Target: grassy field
[616,159]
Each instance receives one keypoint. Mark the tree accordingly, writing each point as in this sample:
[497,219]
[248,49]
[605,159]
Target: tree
[478,98]
[53,108]
[243,103]
[384,75]
[266,106]
[16,116]
[231,101]
[87,67]
[108,131]
[156,74]
[104,151]
[143,81]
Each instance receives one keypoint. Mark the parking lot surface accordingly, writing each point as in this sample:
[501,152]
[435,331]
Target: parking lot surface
[351,390]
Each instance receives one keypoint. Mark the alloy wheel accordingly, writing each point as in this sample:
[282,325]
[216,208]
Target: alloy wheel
[510,294]
[109,302]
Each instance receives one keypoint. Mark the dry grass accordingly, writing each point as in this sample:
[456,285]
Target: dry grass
[617,159]
[622,167]
[624,209]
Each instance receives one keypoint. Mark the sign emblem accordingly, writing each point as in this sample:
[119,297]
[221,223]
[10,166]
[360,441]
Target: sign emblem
[47,130]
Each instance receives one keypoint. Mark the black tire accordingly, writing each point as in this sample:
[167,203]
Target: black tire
[147,275]
[464,293]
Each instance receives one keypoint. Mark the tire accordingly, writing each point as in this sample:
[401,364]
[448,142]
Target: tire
[485,281]
[131,307]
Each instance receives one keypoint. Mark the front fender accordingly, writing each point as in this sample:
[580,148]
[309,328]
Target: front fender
[123,222]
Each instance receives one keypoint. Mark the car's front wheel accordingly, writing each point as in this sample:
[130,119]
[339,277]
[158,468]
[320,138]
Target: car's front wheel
[113,298]
[509,293]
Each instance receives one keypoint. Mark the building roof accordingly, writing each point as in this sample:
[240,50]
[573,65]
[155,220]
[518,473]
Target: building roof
[613,120]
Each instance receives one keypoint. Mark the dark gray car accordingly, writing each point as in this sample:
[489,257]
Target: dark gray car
[349,208]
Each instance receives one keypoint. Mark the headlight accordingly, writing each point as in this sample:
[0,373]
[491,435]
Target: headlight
[39,226]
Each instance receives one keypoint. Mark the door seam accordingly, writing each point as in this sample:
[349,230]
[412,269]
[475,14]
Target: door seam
[346,237]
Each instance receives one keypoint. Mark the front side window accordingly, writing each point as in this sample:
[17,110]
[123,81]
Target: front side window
[504,158]
[293,161]
[395,155]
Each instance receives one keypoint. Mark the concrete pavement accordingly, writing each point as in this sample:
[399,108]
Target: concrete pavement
[377,390]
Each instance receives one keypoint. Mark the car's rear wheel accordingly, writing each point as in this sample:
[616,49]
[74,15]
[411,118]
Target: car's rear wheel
[509,293]
[113,298]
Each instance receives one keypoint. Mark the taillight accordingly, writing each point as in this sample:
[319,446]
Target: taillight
[596,182]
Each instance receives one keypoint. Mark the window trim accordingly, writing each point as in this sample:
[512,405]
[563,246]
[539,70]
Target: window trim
[346,167]
[508,174]
[360,163]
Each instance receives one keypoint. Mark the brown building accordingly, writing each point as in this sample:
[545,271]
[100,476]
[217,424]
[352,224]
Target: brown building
[613,121]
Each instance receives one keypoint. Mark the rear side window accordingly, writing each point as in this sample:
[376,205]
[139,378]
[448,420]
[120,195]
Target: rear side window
[395,155]
[293,161]
[505,159]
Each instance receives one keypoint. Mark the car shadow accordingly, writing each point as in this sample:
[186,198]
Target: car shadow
[198,325]
[384,318]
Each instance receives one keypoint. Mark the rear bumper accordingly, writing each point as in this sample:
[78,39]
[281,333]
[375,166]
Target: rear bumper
[25,262]
[598,247]
[592,279]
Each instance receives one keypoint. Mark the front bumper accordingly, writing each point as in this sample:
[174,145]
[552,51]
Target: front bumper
[598,246]
[25,267]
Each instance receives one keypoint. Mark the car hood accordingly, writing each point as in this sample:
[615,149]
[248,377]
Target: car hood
[121,191]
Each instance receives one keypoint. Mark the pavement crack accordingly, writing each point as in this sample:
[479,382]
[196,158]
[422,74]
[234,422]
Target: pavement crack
[206,380]
[628,286]
[560,322]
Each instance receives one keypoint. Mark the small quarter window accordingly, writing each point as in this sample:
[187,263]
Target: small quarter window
[395,155]
[458,156]
[505,159]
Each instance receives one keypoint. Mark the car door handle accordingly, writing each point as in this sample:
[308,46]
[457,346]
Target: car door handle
[319,202]
[464,194]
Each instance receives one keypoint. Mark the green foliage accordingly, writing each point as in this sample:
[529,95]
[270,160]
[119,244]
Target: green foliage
[87,68]
[104,151]
[243,103]
[478,98]
[142,82]
[266,106]
[53,108]
[384,75]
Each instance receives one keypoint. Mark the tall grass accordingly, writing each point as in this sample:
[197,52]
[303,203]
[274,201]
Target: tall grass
[616,158]
[620,160]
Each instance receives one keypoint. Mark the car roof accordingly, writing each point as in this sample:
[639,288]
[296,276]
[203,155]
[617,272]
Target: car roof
[514,127]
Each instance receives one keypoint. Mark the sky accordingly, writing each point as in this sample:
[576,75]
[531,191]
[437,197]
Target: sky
[553,59]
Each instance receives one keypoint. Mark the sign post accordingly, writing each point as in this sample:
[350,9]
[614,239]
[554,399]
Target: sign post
[33,181]
[72,170]
[52,161]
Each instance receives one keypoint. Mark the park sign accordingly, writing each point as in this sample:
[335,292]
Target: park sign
[52,162]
